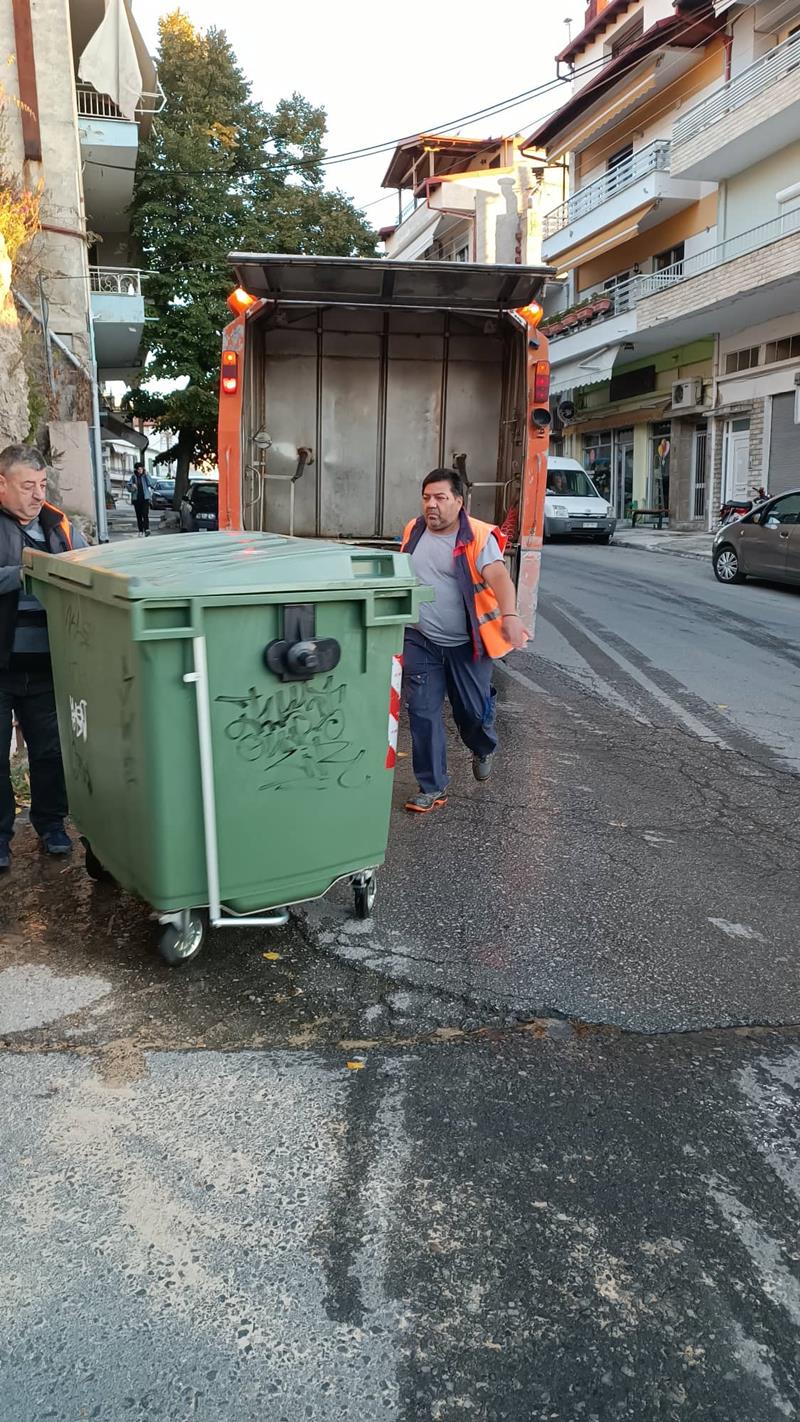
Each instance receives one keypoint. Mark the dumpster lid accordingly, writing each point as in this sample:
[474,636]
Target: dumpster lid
[207,565]
[372,281]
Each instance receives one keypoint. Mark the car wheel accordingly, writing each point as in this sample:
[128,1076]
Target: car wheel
[602,538]
[726,565]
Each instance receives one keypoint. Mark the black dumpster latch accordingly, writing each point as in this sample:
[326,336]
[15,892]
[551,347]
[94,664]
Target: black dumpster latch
[299,654]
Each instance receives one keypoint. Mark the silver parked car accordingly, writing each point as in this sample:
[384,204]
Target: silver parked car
[763,544]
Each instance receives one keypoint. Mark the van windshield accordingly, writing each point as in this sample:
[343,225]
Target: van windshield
[570,483]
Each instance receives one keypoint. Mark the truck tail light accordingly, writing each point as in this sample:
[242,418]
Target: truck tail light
[541,382]
[230,372]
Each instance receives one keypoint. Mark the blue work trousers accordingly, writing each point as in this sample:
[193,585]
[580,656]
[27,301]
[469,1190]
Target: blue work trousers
[430,673]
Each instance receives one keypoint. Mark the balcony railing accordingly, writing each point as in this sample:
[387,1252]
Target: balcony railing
[100,106]
[655,156]
[738,91]
[616,300]
[756,237]
[115,281]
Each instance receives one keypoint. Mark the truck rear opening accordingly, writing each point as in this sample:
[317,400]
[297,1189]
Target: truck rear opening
[347,380]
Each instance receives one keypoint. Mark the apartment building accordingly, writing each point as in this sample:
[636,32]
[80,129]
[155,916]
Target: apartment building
[634,385]
[745,136]
[676,351]
[469,200]
[83,91]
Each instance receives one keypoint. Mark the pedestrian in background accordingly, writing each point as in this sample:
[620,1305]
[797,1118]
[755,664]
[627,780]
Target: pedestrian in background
[26,680]
[450,653]
[141,495]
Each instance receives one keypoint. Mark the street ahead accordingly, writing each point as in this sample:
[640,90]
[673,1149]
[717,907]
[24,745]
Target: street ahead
[661,639]
[523,1147]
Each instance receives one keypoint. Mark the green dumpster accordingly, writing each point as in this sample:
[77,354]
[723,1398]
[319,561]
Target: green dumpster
[228,707]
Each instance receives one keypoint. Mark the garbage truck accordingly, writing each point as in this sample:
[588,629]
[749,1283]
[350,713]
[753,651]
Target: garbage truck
[344,381]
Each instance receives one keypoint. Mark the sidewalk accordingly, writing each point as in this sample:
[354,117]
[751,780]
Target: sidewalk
[665,540]
[122,522]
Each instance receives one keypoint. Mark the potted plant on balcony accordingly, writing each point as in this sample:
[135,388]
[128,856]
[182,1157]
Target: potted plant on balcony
[600,305]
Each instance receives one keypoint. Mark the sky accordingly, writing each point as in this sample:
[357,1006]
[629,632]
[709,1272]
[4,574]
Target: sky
[368,68]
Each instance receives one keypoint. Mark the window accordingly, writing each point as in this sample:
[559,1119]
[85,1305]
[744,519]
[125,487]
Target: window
[597,461]
[617,288]
[622,155]
[626,35]
[785,510]
[786,349]
[618,168]
[672,257]
[741,360]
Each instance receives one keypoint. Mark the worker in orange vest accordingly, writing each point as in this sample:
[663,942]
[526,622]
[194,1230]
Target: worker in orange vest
[450,652]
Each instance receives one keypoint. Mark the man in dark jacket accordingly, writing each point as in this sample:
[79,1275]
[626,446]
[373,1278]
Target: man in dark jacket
[26,682]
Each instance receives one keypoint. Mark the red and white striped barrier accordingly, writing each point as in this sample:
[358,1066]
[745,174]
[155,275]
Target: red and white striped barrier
[394,711]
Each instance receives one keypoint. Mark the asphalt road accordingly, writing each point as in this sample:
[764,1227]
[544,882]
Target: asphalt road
[658,637]
[522,1148]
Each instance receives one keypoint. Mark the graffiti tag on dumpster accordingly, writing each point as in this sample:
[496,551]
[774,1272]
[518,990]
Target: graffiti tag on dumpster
[299,737]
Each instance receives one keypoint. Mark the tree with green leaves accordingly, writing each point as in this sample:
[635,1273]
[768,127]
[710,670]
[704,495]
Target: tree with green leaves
[219,173]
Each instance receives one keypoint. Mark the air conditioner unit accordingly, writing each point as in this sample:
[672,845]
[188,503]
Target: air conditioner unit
[687,394]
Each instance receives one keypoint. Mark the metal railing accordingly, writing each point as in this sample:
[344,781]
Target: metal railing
[116,281]
[756,237]
[627,294]
[648,160]
[100,106]
[738,91]
[409,208]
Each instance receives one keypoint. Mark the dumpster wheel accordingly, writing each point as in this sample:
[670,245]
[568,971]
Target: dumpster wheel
[181,943]
[365,892]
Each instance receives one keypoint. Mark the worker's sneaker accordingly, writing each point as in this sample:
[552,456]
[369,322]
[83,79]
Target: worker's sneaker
[482,766]
[423,803]
[5,854]
[56,841]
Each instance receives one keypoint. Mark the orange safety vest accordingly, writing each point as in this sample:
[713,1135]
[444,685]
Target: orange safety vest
[485,616]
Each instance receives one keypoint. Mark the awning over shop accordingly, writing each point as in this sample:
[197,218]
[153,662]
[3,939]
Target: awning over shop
[608,238]
[583,370]
[622,419]
[112,430]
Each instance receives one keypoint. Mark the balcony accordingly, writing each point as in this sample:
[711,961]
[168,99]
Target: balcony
[629,198]
[109,149]
[425,222]
[744,121]
[744,281]
[118,319]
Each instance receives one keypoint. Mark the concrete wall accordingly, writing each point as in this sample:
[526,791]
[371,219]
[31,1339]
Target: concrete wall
[750,196]
[62,258]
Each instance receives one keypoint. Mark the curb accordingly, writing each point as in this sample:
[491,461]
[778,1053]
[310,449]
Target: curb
[659,548]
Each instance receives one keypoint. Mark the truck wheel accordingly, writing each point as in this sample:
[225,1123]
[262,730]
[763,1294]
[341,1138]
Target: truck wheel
[94,868]
[179,945]
[365,894]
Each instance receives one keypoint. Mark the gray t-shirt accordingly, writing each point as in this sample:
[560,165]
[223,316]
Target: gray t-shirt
[445,620]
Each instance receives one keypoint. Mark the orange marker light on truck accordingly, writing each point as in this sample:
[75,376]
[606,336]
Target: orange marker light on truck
[230,372]
[531,314]
[240,301]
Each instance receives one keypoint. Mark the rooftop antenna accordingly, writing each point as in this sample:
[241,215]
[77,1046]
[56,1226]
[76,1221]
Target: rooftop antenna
[568,23]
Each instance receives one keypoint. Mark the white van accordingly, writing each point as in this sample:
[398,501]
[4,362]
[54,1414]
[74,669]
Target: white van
[572,504]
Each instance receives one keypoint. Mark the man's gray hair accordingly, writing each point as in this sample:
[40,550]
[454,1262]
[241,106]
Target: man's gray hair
[26,454]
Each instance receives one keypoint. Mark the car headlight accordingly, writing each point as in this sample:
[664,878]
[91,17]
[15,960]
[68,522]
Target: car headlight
[560,511]
[610,511]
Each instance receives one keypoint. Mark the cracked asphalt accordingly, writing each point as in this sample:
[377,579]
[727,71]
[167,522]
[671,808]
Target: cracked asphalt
[523,1146]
